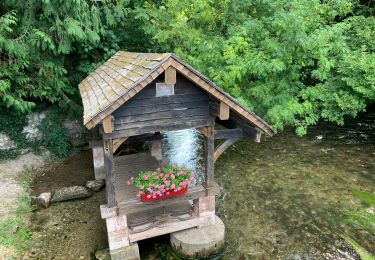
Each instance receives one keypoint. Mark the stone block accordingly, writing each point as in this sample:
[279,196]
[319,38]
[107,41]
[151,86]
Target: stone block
[95,185]
[42,201]
[71,193]
[130,252]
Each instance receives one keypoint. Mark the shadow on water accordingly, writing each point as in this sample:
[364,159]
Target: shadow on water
[283,198]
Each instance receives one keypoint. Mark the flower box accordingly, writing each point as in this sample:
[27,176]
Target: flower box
[162,183]
[146,197]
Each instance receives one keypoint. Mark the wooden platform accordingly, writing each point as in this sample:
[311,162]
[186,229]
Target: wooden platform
[126,196]
[127,166]
[160,221]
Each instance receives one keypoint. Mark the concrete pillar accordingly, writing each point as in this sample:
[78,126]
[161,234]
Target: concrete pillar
[118,235]
[98,159]
[199,242]
[117,230]
[155,149]
[204,207]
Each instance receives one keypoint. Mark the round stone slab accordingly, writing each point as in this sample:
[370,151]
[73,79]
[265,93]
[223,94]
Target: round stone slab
[201,241]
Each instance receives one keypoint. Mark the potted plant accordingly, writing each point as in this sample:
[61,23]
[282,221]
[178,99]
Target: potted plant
[162,183]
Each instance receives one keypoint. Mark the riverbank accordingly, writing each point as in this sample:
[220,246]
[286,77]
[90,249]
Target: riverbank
[13,199]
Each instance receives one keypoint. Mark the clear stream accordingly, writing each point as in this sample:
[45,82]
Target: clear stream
[284,198]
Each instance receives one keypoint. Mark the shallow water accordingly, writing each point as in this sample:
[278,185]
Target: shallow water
[286,197]
[283,198]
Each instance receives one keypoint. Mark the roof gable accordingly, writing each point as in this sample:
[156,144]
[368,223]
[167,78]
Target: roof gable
[127,73]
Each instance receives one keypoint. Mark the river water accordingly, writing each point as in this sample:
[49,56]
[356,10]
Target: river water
[284,198]
[287,196]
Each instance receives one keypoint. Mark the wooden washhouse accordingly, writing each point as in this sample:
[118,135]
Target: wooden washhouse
[140,95]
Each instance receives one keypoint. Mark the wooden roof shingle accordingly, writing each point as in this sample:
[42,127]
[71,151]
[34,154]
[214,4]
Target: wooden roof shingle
[126,73]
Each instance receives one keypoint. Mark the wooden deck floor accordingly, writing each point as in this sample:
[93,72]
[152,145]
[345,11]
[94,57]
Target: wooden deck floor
[126,196]
[127,166]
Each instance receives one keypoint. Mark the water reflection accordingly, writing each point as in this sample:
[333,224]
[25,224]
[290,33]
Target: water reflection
[185,148]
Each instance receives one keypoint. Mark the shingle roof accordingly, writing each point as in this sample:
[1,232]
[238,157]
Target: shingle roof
[126,73]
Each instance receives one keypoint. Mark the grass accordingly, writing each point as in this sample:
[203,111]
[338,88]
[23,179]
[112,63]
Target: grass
[14,230]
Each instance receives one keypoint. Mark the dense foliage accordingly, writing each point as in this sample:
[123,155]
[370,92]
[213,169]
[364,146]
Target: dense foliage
[47,47]
[292,62]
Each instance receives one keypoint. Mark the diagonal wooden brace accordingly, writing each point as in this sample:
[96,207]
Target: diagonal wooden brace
[221,148]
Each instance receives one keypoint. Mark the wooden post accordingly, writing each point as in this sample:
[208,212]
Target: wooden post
[97,154]
[170,76]
[223,111]
[98,160]
[110,178]
[210,147]
[107,124]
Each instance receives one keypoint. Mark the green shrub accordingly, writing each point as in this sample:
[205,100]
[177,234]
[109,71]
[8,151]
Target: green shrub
[12,123]
[55,135]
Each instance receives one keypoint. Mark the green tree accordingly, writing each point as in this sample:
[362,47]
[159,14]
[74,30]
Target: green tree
[47,47]
[292,62]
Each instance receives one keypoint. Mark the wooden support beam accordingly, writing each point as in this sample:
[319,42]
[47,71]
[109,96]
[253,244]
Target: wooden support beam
[235,121]
[110,178]
[228,133]
[135,205]
[249,132]
[221,148]
[203,131]
[223,111]
[210,146]
[118,142]
[107,124]
[170,76]
[170,126]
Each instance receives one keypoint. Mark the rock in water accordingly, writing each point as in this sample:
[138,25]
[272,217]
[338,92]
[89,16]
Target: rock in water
[42,201]
[102,254]
[95,185]
[70,193]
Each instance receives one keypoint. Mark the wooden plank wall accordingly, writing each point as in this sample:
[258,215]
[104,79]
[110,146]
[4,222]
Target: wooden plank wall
[188,107]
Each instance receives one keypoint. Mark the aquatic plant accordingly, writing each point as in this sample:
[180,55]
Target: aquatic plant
[162,181]
[363,219]
[363,253]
